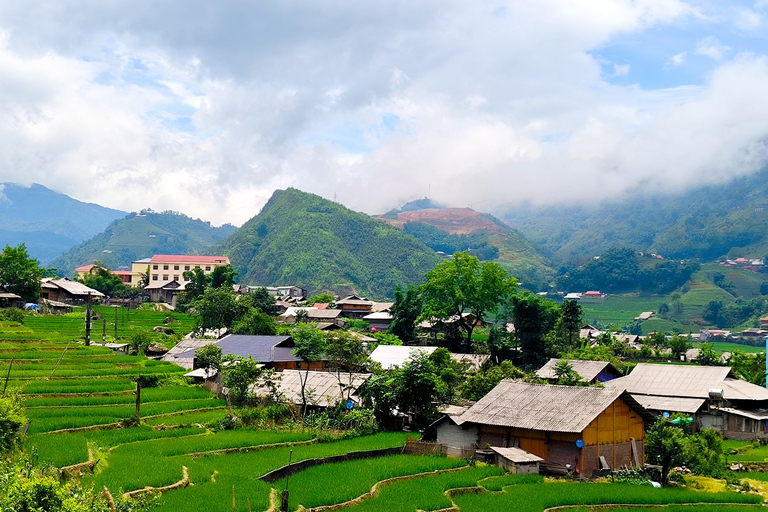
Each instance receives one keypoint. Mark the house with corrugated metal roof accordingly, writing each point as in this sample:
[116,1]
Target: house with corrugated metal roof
[323,389]
[589,371]
[582,429]
[713,395]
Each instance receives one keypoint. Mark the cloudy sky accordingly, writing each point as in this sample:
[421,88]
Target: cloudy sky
[207,107]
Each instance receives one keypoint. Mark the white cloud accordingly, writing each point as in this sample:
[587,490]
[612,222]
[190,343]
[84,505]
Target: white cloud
[711,47]
[678,59]
[206,108]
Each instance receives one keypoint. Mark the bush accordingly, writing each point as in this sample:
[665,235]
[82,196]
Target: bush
[12,315]
[11,420]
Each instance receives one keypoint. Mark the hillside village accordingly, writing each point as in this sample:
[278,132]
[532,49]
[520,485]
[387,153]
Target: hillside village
[542,392]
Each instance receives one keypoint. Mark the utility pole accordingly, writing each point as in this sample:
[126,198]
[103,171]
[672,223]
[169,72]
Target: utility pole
[88,320]
[115,324]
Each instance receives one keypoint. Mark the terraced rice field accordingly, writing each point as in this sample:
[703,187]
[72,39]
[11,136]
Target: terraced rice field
[91,390]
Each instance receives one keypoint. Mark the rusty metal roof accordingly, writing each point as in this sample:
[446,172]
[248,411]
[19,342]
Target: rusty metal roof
[544,407]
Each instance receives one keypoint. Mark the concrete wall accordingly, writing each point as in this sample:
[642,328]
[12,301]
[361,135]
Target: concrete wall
[455,438]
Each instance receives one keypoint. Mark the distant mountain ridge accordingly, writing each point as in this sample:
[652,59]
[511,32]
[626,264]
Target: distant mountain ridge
[709,222]
[48,222]
[142,235]
[481,234]
[302,239]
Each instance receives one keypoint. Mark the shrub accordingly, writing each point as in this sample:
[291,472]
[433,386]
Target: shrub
[12,315]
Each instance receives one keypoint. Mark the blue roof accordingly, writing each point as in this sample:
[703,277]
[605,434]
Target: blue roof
[261,348]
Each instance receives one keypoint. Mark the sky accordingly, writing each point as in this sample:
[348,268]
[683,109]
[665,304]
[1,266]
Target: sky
[207,107]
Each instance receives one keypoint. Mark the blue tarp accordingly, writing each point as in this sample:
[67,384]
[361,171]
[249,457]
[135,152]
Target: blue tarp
[31,306]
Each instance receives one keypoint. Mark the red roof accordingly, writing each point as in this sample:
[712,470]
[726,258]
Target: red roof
[121,272]
[85,268]
[185,258]
[593,294]
[322,305]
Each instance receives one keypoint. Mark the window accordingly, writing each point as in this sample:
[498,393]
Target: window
[176,276]
[175,267]
[186,278]
[165,277]
[154,277]
[186,267]
[165,267]
[207,268]
[197,266]
[154,267]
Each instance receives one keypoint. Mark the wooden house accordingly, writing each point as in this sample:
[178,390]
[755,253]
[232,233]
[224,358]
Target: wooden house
[164,291]
[69,292]
[353,306]
[570,428]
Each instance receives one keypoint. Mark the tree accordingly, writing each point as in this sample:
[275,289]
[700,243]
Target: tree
[480,383]
[345,354]
[416,387]
[254,322]
[462,285]
[239,375]
[218,308]
[310,346]
[571,319]
[712,312]
[104,281]
[223,276]
[707,355]
[748,366]
[665,446]
[533,316]
[566,375]
[19,273]
[197,282]
[763,288]
[264,301]
[663,309]
[405,311]
[209,357]
[321,298]
[678,345]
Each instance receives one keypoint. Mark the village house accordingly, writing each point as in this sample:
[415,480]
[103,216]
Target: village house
[711,394]
[589,371]
[165,291]
[274,352]
[353,306]
[10,300]
[379,321]
[66,291]
[170,267]
[322,389]
[581,429]
[391,356]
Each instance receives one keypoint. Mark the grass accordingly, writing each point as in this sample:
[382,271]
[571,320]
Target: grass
[347,480]
[189,418]
[103,385]
[425,493]
[536,497]
[147,396]
[759,454]
[158,463]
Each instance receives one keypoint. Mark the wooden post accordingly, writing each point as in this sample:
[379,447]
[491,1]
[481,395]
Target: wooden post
[88,320]
[233,499]
[138,398]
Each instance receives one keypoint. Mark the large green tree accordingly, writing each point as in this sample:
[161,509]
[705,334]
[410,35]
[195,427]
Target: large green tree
[571,320]
[104,281]
[665,446]
[405,311]
[310,345]
[463,285]
[19,273]
[218,308]
[534,317]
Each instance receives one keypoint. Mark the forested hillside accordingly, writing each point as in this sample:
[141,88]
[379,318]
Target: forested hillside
[140,236]
[451,230]
[48,223]
[303,239]
[705,223]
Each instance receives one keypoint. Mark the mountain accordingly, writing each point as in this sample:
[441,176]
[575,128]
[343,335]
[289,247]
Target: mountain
[48,223]
[141,235]
[450,230]
[707,223]
[305,240]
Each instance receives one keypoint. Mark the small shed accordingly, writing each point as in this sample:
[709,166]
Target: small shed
[516,460]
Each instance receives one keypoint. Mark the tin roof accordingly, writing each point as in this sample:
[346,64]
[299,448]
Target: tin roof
[74,287]
[669,403]
[688,381]
[390,356]
[324,386]
[517,455]
[545,407]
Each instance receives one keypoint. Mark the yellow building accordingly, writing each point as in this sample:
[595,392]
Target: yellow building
[169,267]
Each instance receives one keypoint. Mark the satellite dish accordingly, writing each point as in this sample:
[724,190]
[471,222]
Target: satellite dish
[349,404]
[579,443]
[666,414]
